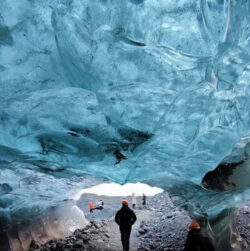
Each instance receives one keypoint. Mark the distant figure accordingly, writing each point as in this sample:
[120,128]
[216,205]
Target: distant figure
[143,199]
[125,218]
[196,241]
[119,156]
[133,201]
[100,205]
[91,207]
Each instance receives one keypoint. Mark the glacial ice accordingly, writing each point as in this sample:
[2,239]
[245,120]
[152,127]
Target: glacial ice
[165,82]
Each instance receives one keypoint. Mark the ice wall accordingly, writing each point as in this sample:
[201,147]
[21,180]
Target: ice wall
[165,82]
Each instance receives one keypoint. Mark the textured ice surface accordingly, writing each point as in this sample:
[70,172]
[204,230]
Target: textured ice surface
[165,82]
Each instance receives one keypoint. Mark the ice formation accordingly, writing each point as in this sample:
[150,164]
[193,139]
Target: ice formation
[165,82]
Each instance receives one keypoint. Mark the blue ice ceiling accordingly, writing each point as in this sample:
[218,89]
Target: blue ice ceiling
[164,82]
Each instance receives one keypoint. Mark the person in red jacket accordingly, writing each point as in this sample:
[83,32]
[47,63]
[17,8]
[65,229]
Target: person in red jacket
[91,207]
[125,218]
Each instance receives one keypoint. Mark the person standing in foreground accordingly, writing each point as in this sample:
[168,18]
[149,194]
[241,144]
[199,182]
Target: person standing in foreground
[196,241]
[125,218]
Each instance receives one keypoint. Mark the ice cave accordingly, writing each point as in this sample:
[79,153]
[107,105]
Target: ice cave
[162,83]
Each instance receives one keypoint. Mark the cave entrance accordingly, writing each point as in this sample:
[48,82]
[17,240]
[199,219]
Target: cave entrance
[112,194]
[117,190]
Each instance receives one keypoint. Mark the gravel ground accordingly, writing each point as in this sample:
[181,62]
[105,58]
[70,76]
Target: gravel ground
[243,225]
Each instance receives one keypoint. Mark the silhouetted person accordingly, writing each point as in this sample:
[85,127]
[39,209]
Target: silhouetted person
[196,241]
[119,156]
[143,199]
[125,218]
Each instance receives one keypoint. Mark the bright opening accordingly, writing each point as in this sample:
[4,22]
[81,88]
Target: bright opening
[114,189]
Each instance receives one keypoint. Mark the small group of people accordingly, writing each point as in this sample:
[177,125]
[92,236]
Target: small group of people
[100,205]
[143,200]
[92,206]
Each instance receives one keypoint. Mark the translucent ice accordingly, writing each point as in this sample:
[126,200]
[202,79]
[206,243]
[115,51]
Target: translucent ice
[164,82]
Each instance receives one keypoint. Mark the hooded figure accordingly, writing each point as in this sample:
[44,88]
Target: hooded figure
[125,218]
[196,241]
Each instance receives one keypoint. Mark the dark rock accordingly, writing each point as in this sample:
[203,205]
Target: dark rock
[107,235]
[53,246]
[34,244]
[69,245]
[142,231]
[59,246]
[219,178]
[78,244]
[243,236]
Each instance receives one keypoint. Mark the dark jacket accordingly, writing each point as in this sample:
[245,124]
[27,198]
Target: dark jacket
[197,242]
[125,217]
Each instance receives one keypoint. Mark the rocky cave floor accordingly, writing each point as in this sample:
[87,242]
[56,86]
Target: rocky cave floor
[242,221]
[159,226]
